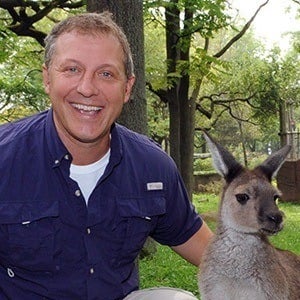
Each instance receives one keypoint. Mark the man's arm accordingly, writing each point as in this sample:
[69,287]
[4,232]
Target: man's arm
[192,250]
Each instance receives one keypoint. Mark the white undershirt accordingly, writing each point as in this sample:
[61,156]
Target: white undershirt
[87,176]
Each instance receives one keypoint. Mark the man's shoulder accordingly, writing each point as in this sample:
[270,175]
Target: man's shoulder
[139,141]
[141,149]
[13,132]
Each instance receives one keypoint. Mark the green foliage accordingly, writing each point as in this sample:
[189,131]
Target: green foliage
[21,89]
[158,121]
[203,165]
[248,95]
[155,54]
[239,91]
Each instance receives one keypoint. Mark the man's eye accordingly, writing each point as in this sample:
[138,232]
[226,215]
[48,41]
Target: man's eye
[106,74]
[73,69]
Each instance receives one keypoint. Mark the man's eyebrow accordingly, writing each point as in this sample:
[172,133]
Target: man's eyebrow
[101,66]
[68,60]
[106,65]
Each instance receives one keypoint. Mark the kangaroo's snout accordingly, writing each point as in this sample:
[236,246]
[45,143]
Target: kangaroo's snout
[271,222]
[277,218]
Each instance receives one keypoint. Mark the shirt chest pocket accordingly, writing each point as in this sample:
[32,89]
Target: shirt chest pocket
[27,233]
[141,215]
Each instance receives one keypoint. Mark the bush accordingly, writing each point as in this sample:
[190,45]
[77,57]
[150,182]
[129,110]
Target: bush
[203,165]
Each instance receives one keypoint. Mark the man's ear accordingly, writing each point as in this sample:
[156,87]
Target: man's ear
[128,90]
[46,79]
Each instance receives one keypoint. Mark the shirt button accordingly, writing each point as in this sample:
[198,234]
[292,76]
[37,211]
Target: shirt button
[77,193]
[88,230]
[67,157]
[10,272]
[56,161]
[92,271]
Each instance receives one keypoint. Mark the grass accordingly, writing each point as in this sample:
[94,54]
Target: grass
[166,268]
[289,237]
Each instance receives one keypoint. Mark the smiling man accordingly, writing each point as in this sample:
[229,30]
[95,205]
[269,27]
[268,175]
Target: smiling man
[87,84]
[80,194]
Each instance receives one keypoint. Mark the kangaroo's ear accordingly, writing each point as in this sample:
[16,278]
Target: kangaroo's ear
[223,161]
[272,164]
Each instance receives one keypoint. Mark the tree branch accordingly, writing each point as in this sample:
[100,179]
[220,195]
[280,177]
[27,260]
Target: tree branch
[22,23]
[241,33]
[160,93]
[203,111]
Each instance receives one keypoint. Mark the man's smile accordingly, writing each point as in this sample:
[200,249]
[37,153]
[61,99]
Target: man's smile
[87,108]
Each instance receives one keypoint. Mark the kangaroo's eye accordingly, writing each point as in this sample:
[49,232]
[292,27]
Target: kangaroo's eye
[242,198]
[276,199]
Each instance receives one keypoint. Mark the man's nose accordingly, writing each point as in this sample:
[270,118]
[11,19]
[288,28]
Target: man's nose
[87,86]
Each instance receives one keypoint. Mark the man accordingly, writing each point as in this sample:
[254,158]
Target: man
[79,193]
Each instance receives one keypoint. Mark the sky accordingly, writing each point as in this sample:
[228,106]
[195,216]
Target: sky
[272,21]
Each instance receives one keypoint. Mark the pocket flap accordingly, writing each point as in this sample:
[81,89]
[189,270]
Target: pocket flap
[22,212]
[142,206]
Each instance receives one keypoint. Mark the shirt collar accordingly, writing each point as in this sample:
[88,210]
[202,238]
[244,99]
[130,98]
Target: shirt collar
[58,151]
[115,144]
[56,148]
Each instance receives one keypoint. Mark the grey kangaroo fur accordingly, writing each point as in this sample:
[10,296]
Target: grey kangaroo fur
[240,263]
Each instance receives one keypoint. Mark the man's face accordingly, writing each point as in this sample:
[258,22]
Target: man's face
[87,86]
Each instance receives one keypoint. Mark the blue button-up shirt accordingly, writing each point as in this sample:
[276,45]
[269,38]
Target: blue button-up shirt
[54,246]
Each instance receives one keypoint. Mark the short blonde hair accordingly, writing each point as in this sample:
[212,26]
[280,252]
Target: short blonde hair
[89,24]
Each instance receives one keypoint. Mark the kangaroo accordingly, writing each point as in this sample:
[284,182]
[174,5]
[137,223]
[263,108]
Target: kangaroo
[240,263]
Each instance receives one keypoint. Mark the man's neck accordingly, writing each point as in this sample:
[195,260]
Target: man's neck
[87,153]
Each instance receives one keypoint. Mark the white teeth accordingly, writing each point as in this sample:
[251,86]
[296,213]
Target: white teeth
[86,107]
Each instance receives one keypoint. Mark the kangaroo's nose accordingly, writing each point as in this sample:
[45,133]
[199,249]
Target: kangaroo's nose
[276,218]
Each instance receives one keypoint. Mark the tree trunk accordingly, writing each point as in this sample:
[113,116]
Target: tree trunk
[243,143]
[172,39]
[178,45]
[174,124]
[187,110]
[187,130]
[129,15]
[182,108]
[283,128]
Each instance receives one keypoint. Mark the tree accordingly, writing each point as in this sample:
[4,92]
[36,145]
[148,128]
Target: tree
[245,93]
[21,90]
[25,14]
[184,20]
